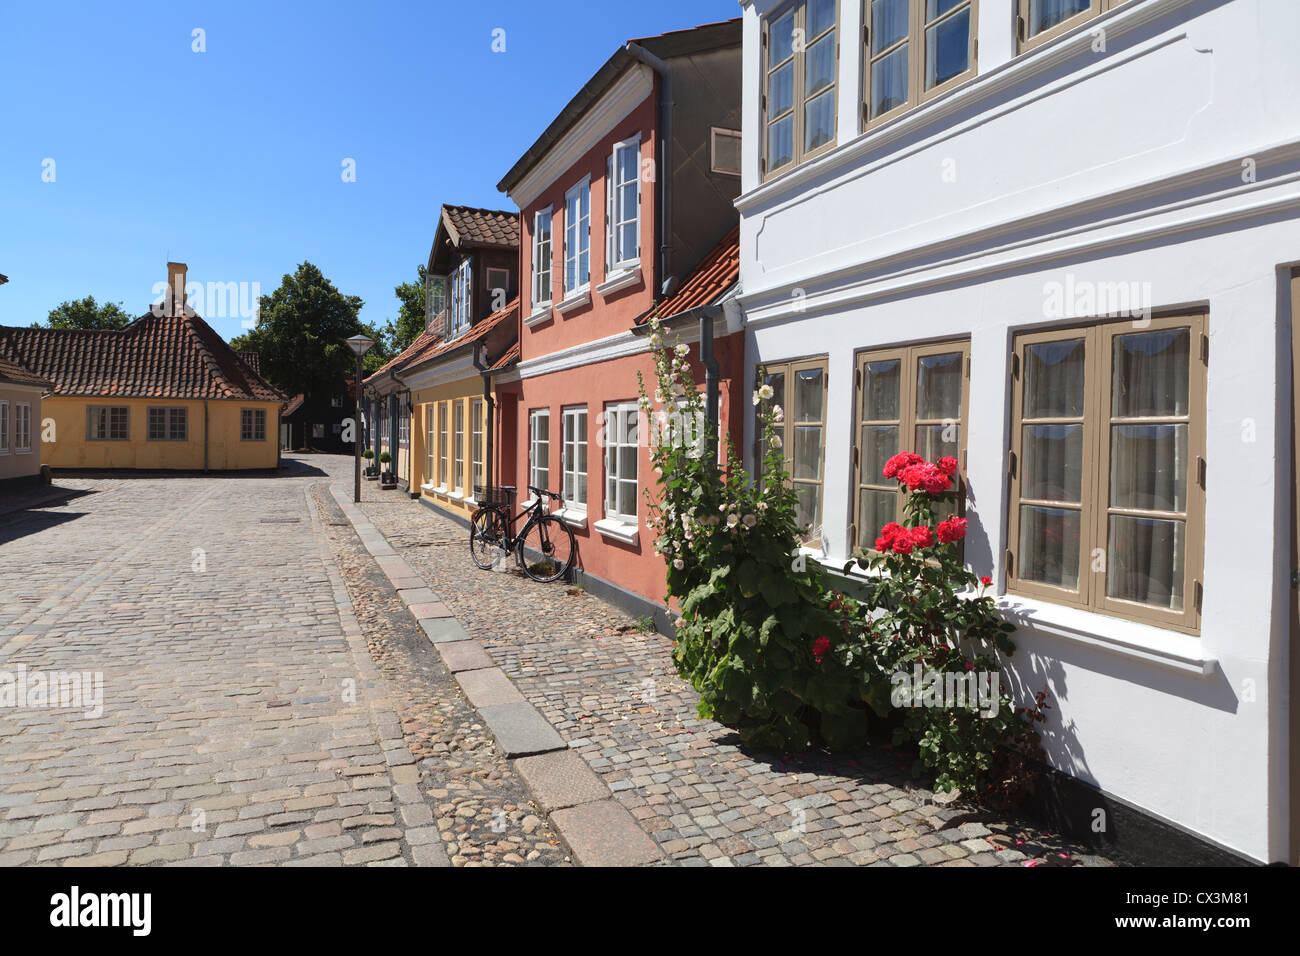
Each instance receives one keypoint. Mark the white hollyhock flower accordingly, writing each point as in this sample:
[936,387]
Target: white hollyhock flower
[683,350]
[678,563]
[749,520]
[765,392]
[732,521]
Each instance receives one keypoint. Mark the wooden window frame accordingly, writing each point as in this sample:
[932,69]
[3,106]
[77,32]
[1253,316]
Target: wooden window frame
[536,415]
[543,260]
[1094,504]
[258,418]
[914,40]
[23,434]
[790,368]
[108,422]
[614,442]
[6,428]
[909,357]
[1025,42]
[799,155]
[568,461]
[719,133]
[168,416]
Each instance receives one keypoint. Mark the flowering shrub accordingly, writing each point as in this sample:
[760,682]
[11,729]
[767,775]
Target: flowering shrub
[757,636]
[933,629]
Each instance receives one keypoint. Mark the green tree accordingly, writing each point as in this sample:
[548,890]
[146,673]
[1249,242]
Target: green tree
[301,331]
[87,314]
[410,313]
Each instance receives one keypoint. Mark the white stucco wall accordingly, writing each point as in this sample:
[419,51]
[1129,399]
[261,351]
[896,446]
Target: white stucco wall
[1122,165]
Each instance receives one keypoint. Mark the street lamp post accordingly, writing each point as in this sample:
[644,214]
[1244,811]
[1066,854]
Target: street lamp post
[360,345]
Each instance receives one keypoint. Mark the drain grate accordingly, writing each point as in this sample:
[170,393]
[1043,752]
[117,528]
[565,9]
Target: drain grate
[281,520]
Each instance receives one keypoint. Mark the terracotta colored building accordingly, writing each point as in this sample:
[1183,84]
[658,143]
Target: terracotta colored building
[627,210]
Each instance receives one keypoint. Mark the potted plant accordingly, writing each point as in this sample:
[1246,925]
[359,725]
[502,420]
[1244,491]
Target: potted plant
[387,478]
[371,472]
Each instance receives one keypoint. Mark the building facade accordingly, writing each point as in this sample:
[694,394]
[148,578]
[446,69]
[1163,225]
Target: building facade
[1054,238]
[622,198]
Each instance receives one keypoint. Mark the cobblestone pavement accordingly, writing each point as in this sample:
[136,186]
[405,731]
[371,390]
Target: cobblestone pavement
[612,693]
[243,718]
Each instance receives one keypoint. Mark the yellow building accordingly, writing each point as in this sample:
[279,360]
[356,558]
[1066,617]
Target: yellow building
[164,393]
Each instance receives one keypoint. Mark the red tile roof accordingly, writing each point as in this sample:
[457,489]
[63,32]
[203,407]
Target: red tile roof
[14,374]
[295,403]
[484,227]
[153,357]
[715,276]
[427,348]
[507,360]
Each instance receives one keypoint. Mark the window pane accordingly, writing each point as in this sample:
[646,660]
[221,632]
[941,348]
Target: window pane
[947,49]
[889,82]
[819,66]
[888,23]
[780,142]
[938,386]
[879,444]
[935,8]
[1045,14]
[628,206]
[780,93]
[880,381]
[1049,546]
[808,395]
[808,507]
[627,240]
[819,121]
[1150,373]
[808,452]
[1148,467]
[875,510]
[627,462]
[782,39]
[937,441]
[626,498]
[1144,561]
[1053,463]
[1054,379]
[821,16]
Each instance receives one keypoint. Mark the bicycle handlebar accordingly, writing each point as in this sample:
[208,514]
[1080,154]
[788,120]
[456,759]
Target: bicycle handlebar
[539,492]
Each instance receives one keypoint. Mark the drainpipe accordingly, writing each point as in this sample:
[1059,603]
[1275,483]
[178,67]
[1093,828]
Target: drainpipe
[490,406]
[662,282]
[205,435]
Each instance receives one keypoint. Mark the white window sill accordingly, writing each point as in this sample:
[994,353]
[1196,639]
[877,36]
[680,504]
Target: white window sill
[573,517]
[541,314]
[22,451]
[1174,649]
[619,530]
[428,489]
[456,495]
[469,503]
[621,278]
[575,300]
[440,490]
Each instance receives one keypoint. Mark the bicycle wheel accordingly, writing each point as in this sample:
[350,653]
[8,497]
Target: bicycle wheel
[487,538]
[547,549]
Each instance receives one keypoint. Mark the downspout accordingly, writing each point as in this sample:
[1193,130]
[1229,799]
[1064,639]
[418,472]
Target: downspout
[490,406]
[205,435]
[662,282]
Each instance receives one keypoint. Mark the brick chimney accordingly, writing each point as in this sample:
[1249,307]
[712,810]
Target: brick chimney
[176,287]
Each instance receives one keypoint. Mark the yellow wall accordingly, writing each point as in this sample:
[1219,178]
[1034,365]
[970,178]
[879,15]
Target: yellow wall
[12,464]
[225,450]
[425,416]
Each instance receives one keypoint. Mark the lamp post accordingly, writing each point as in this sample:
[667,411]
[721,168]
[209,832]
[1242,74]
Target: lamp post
[360,345]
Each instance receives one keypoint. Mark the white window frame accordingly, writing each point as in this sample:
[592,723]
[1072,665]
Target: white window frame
[458,445]
[569,455]
[22,428]
[431,445]
[477,445]
[618,259]
[535,416]
[576,229]
[434,304]
[543,258]
[462,296]
[168,421]
[615,431]
[4,427]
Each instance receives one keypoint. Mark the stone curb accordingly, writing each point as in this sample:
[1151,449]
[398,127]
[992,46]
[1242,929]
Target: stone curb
[597,829]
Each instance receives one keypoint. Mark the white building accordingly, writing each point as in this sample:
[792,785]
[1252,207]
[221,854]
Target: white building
[1074,224]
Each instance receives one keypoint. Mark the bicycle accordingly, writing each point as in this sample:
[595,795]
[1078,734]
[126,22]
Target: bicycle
[545,549]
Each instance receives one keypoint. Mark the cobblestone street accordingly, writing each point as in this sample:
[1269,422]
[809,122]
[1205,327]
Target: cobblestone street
[268,699]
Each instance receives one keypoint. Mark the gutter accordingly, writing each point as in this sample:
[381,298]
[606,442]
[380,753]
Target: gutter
[490,405]
[662,282]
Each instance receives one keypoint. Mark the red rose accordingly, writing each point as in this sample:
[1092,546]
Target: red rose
[986,581]
[922,537]
[922,476]
[821,647]
[899,462]
[952,529]
[947,465]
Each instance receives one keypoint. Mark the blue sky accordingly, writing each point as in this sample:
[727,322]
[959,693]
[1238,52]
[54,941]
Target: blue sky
[231,160]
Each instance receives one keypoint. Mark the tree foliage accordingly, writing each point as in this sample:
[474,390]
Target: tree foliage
[87,314]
